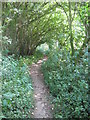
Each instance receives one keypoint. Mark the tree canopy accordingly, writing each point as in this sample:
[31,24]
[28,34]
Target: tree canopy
[28,25]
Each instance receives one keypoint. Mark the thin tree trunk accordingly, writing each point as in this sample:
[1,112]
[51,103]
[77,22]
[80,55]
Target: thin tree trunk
[70,28]
[87,34]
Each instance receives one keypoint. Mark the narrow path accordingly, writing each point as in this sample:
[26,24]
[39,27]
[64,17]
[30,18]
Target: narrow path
[41,93]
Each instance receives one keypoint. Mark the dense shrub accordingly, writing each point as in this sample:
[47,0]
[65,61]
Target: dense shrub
[31,59]
[17,101]
[68,84]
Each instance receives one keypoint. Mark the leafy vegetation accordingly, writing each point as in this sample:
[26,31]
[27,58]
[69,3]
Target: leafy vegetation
[62,28]
[28,25]
[31,59]
[17,89]
[68,84]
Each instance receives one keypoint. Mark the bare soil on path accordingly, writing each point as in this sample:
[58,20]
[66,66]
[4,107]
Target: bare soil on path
[41,93]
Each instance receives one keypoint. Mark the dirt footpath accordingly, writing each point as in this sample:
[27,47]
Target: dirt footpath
[41,93]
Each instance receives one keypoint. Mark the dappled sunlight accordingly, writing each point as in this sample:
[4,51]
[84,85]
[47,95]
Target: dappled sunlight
[37,95]
[42,105]
[35,65]
[40,61]
[44,59]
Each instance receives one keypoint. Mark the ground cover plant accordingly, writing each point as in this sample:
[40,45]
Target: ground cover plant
[17,101]
[68,84]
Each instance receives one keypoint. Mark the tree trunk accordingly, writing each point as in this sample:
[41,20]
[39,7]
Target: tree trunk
[70,29]
[87,34]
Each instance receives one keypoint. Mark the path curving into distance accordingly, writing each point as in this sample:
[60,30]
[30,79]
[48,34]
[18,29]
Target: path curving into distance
[41,93]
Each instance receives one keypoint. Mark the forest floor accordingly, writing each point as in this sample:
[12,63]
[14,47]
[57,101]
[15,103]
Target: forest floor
[41,93]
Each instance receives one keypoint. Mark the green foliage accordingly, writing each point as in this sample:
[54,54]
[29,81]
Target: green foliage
[43,49]
[25,24]
[17,101]
[68,85]
[28,25]
[31,59]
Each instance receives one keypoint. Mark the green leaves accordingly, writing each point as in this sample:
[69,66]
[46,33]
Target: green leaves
[9,95]
[5,103]
[16,89]
[68,84]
